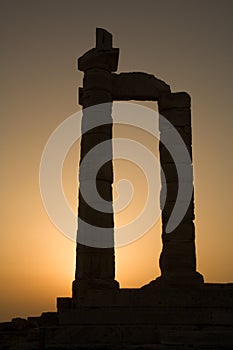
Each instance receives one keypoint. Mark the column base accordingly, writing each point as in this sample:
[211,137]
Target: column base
[90,285]
[193,279]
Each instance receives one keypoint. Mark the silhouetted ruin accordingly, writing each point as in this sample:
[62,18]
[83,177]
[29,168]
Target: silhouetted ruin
[95,266]
[177,309]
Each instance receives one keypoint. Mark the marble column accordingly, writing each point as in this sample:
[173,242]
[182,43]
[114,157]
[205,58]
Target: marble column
[178,257]
[95,265]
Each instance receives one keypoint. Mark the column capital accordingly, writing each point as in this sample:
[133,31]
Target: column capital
[103,56]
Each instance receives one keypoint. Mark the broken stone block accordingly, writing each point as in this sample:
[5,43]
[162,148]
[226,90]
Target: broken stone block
[103,39]
[174,100]
[137,86]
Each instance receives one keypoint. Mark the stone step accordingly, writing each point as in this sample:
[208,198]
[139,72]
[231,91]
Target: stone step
[138,337]
[147,316]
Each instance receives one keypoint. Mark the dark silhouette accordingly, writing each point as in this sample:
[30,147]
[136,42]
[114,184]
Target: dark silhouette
[95,266]
[177,309]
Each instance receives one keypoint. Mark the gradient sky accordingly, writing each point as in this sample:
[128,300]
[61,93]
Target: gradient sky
[188,44]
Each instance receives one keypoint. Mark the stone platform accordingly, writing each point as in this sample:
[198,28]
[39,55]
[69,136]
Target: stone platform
[151,317]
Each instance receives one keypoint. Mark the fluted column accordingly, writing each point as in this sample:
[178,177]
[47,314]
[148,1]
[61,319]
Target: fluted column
[95,265]
[178,257]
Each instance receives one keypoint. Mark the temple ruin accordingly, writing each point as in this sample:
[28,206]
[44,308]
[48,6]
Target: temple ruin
[176,309]
[95,266]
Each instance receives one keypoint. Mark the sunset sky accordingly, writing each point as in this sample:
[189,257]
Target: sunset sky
[186,43]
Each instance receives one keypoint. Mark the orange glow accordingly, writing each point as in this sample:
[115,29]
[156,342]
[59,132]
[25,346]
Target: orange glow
[39,79]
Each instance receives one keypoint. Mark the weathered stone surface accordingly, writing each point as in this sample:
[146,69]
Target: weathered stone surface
[176,109]
[101,183]
[162,318]
[166,213]
[201,337]
[81,286]
[169,192]
[34,321]
[183,278]
[105,129]
[137,86]
[181,138]
[104,56]
[160,337]
[64,303]
[180,248]
[105,172]
[90,140]
[174,100]
[97,79]
[96,236]
[48,319]
[184,232]
[95,266]
[19,323]
[126,316]
[94,217]
[178,154]
[176,116]
[97,165]
[100,96]
[99,58]
[92,265]
[209,295]
[178,257]
[103,39]
[185,172]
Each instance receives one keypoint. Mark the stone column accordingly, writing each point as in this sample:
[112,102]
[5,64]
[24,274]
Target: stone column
[178,257]
[95,267]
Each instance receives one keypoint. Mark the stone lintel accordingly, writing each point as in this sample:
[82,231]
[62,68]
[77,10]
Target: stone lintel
[174,100]
[124,86]
[137,86]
